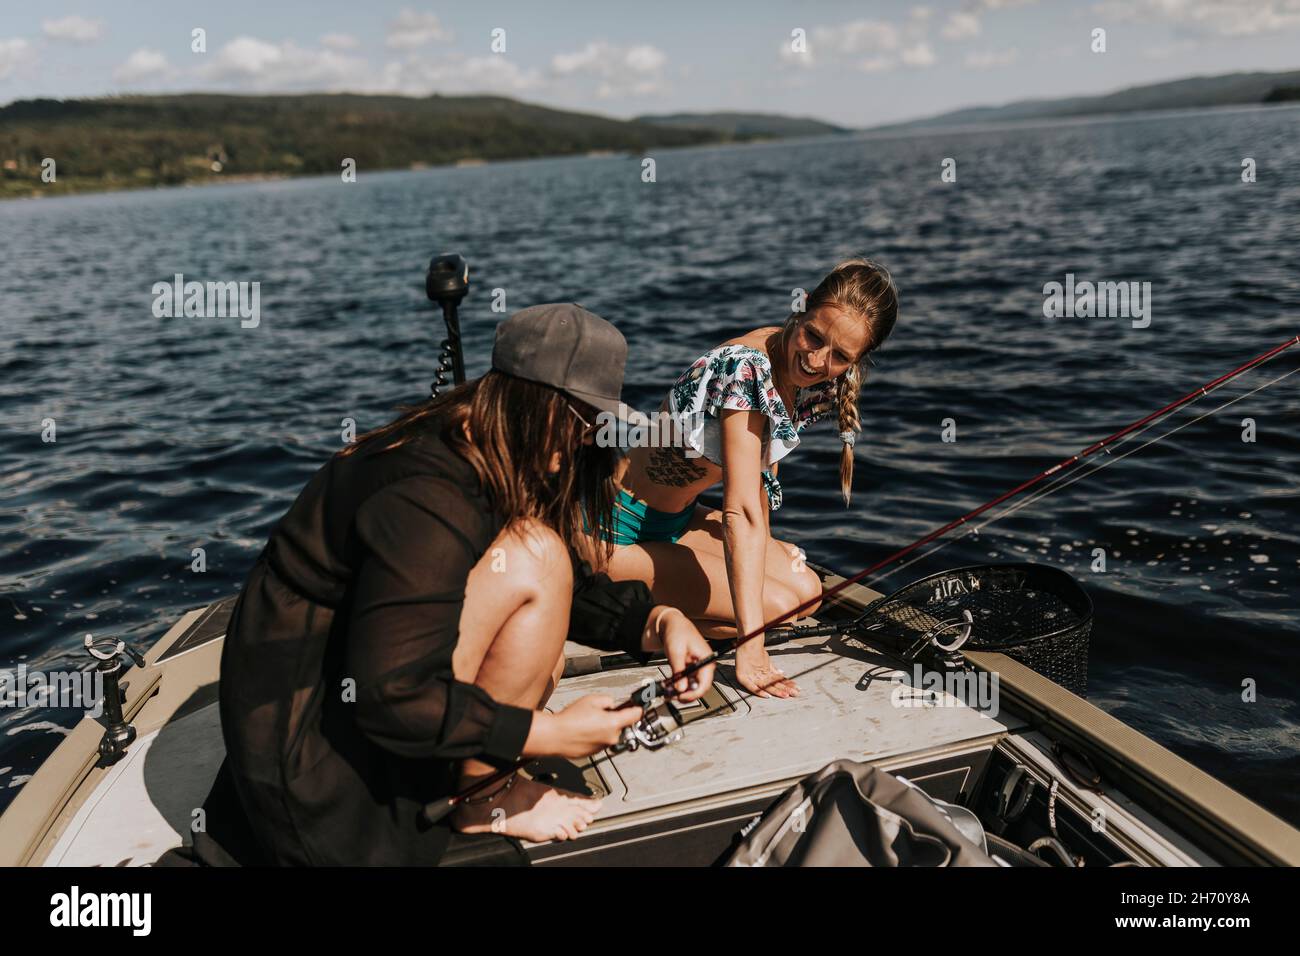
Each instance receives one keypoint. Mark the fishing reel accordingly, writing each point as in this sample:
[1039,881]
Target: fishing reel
[660,723]
[659,726]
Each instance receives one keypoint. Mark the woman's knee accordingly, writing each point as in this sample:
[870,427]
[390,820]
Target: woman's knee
[532,557]
[807,588]
[519,593]
[778,601]
[516,614]
[802,583]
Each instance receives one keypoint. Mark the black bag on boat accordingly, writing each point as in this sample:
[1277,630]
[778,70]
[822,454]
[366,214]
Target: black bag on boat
[853,814]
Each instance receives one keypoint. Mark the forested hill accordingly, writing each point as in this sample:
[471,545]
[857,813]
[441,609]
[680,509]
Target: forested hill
[768,125]
[120,142]
[1195,92]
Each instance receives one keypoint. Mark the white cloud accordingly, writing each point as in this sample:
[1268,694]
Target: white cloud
[790,57]
[456,73]
[13,54]
[246,56]
[73,29]
[857,37]
[1214,17]
[961,25]
[412,29]
[249,63]
[339,41]
[143,64]
[918,55]
[990,59]
[876,64]
[965,23]
[619,71]
[877,46]
[870,46]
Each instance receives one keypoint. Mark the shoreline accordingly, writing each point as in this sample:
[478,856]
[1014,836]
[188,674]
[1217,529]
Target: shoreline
[105,188]
[467,163]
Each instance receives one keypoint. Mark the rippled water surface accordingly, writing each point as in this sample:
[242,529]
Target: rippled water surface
[180,433]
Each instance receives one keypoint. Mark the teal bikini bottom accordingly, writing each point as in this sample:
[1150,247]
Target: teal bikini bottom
[635,522]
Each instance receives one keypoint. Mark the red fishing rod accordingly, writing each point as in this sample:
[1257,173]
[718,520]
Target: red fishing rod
[665,689]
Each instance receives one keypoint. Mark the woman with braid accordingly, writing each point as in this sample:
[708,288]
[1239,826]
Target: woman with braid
[743,406]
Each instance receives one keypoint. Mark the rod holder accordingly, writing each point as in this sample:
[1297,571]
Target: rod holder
[112,657]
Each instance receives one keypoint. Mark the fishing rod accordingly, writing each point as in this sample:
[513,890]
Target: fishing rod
[655,698]
[1063,481]
[939,532]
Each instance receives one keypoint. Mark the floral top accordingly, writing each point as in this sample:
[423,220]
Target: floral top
[740,377]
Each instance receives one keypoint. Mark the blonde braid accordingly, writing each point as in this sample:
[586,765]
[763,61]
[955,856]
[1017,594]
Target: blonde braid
[866,289]
[846,396]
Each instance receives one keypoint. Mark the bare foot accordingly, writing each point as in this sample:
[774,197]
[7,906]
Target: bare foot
[758,675]
[530,811]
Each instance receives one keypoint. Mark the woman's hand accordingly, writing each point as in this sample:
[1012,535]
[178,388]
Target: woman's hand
[758,675]
[683,645]
[585,727]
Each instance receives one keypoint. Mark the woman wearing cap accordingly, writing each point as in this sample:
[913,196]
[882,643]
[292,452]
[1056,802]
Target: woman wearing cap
[743,406]
[402,630]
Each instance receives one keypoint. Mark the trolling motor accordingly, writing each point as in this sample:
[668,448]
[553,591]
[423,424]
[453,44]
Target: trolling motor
[112,656]
[447,283]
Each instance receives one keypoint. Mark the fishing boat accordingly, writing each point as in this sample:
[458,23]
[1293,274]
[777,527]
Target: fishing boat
[1051,779]
[1045,770]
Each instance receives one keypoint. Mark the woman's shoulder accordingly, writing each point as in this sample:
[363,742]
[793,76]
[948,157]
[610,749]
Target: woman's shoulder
[727,361]
[735,375]
[751,347]
[756,340]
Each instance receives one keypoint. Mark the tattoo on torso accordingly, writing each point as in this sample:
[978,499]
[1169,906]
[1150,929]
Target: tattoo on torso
[670,466]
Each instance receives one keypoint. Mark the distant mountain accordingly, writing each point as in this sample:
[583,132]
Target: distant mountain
[121,142]
[1199,91]
[745,125]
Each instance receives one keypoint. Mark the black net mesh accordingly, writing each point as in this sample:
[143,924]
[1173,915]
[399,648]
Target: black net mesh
[1033,613]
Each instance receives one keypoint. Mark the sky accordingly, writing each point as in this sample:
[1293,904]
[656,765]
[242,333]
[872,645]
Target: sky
[857,64]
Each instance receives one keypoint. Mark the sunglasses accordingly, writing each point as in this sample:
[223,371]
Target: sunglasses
[588,427]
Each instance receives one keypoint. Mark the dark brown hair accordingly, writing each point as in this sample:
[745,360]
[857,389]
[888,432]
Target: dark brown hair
[514,429]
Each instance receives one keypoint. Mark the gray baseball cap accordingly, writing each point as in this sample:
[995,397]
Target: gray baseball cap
[565,346]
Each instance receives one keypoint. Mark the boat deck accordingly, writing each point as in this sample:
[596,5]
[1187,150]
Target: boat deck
[733,741]
[737,754]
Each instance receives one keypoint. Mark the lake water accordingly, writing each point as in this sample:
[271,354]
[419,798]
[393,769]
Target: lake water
[178,433]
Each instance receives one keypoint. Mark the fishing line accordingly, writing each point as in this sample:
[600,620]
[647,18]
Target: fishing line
[1064,481]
